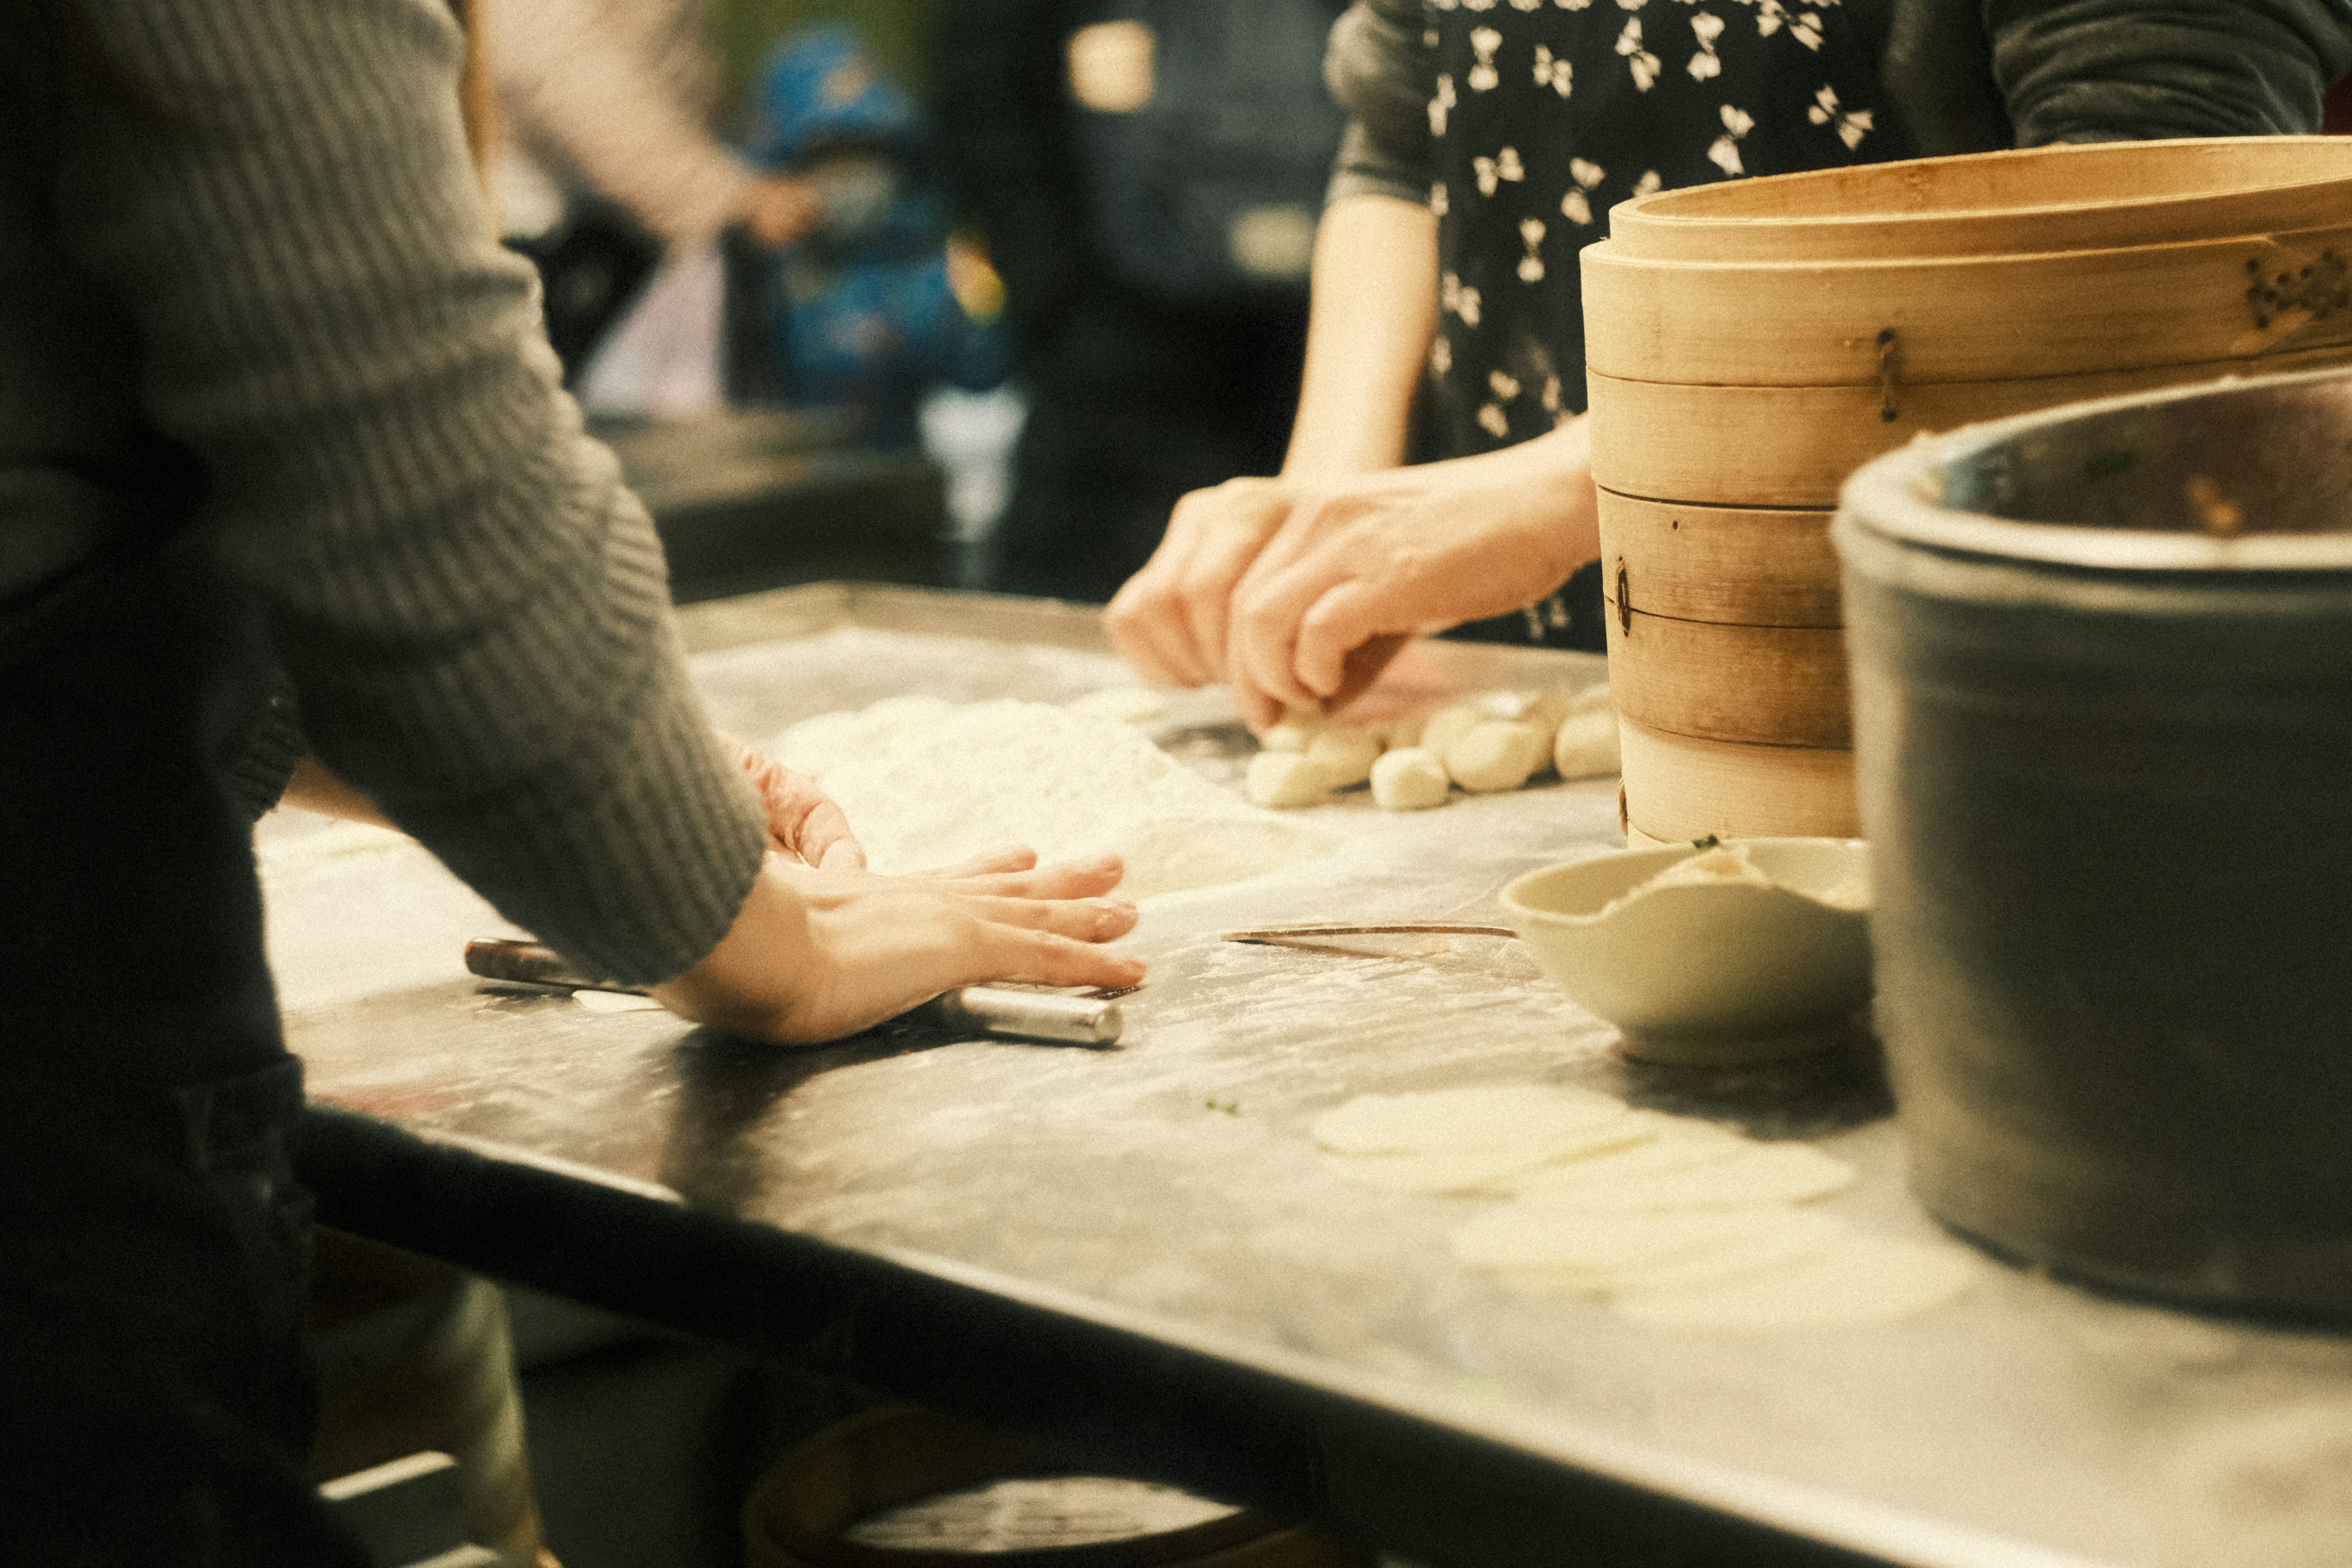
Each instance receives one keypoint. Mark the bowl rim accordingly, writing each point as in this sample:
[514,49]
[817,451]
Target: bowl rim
[1513,907]
[1896,497]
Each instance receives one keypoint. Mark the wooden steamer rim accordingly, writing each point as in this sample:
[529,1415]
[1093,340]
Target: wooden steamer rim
[2084,197]
[1679,788]
[1711,680]
[1794,446]
[2000,317]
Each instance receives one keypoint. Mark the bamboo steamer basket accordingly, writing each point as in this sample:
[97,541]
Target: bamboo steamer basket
[1749,344]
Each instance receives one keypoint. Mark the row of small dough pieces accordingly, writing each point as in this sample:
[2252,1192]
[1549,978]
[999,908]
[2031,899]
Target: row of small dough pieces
[1489,742]
[1671,1220]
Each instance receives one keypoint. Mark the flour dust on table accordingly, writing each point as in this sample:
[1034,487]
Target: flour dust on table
[925,783]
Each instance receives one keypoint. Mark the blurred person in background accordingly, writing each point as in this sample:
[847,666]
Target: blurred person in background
[1147,174]
[1486,146]
[291,500]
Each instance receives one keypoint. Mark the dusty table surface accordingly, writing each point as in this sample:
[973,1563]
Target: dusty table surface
[1166,1192]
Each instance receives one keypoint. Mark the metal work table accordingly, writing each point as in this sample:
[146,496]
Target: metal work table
[1138,1252]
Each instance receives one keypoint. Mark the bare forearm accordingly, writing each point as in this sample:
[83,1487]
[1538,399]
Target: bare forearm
[1369,332]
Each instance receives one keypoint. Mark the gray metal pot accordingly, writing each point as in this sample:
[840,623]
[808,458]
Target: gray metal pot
[2105,759]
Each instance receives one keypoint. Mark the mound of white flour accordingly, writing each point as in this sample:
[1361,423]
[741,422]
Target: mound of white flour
[926,784]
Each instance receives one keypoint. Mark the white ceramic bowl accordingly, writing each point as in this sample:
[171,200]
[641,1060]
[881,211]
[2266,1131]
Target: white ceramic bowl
[1714,974]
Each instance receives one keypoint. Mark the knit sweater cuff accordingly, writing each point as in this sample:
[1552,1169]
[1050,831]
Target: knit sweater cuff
[632,857]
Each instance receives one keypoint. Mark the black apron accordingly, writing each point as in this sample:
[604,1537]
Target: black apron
[1547,116]
[155,1394]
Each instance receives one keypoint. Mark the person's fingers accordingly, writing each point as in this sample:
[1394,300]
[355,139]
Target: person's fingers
[1058,880]
[844,854]
[1345,617]
[1086,919]
[1251,523]
[1360,669]
[1145,617]
[1259,711]
[1045,958]
[988,863]
[1266,626]
[823,836]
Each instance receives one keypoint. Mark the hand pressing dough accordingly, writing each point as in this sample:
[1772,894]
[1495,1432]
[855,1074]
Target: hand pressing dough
[1585,745]
[1757,1176]
[1127,704]
[1497,755]
[1860,1281]
[1346,755]
[1410,779]
[1487,1116]
[1284,779]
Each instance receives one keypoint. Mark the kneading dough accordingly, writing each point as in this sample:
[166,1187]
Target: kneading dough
[1486,1117]
[1585,746]
[1346,755]
[1499,755]
[1754,1176]
[1860,1281]
[1128,704]
[1449,724]
[1410,779]
[1285,779]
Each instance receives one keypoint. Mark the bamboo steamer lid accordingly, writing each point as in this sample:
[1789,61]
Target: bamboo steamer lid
[2041,199]
[1680,787]
[1794,446]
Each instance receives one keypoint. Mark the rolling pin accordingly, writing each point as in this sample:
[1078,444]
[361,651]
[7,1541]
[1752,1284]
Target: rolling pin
[996,1010]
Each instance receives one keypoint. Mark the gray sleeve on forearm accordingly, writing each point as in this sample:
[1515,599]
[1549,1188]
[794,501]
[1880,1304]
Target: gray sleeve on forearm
[472,607]
[2113,70]
[265,755]
[1380,71]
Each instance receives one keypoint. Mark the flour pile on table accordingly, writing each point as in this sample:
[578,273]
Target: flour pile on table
[927,782]
[1669,1219]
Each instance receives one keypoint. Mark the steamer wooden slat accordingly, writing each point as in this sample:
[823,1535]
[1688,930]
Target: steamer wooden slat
[1969,318]
[1679,788]
[1778,686]
[1749,567]
[1794,446]
[2037,200]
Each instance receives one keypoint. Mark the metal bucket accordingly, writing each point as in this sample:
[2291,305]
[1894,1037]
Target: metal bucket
[2101,667]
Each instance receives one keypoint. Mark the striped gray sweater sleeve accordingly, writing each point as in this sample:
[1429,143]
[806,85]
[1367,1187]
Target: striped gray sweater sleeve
[472,607]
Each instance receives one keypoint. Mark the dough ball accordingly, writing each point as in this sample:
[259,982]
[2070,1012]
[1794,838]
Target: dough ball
[1399,732]
[1282,779]
[1586,744]
[1410,779]
[1595,698]
[1296,732]
[1544,710]
[1449,724]
[1127,704]
[1496,755]
[1345,755]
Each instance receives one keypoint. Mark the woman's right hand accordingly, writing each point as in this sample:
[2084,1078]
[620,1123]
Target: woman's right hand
[817,954]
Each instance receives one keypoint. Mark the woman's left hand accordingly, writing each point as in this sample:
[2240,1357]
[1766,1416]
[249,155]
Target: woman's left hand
[804,824]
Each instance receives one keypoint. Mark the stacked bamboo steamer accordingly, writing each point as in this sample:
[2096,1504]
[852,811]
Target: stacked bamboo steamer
[1748,344]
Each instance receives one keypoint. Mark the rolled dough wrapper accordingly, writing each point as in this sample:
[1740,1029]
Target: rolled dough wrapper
[1468,1170]
[1497,755]
[1651,1145]
[1860,1281]
[1767,1241]
[1449,724]
[1759,1176]
[1516,1236]
[1346,755]
[1483,1116]
[1586,744]
[1283,779]
[1410,780]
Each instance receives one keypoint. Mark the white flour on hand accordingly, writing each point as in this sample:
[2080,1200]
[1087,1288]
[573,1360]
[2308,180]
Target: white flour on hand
[988,775]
